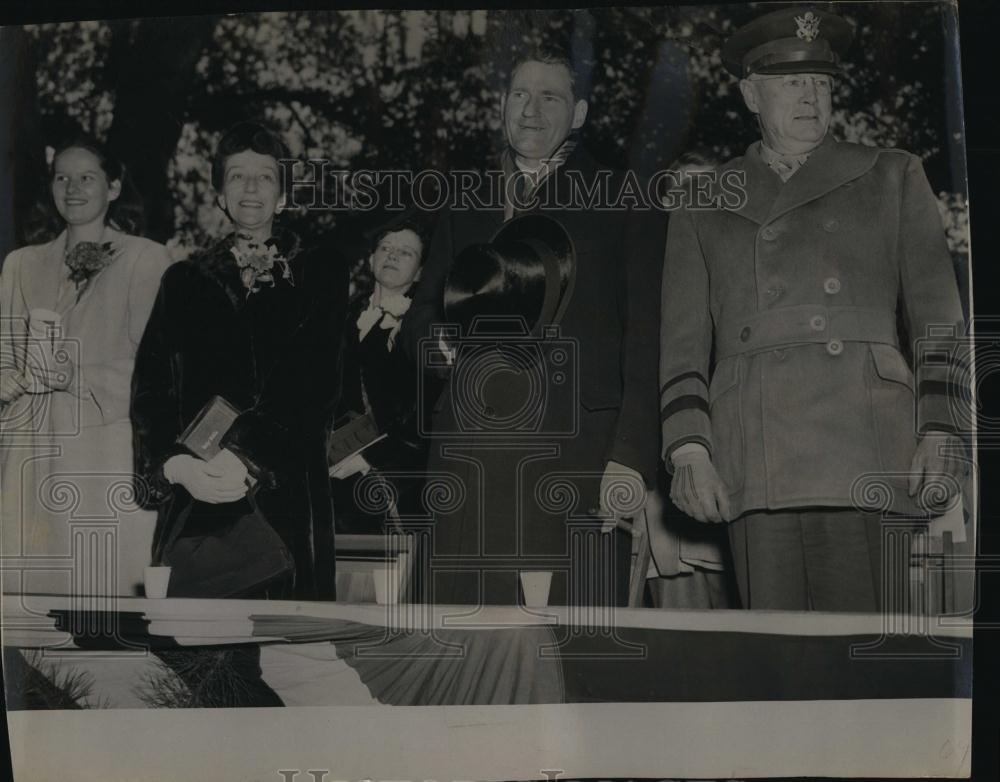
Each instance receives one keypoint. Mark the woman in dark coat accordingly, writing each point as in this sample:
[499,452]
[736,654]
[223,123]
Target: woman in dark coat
[382,382]
[258,321]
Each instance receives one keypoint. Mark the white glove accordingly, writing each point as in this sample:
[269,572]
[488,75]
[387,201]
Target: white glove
[937,469]
[206,481]
[231,465]
[696,487]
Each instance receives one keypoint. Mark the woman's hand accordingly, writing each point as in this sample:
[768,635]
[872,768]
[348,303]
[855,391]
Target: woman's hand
[12,385]
[206,481]
[230,464]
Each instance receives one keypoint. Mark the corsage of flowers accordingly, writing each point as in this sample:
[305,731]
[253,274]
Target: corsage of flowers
[257,264]
[85,260]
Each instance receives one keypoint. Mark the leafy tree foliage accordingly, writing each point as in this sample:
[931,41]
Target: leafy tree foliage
[415,90]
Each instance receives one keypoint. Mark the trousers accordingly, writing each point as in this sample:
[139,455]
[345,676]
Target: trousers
[827,559]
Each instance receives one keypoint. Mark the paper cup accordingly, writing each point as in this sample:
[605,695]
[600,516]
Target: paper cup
[386,585]
[157,580]
[536,584]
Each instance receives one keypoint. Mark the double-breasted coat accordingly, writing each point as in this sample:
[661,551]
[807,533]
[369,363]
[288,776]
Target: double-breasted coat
[520,491]
[66,454]
[273,354]
[797,288]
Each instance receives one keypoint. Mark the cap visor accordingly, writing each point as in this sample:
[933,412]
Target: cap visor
[801,66]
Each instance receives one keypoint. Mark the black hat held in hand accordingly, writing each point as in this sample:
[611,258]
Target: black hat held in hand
[523,276]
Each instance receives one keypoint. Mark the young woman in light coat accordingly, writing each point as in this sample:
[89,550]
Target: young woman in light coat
[72,312]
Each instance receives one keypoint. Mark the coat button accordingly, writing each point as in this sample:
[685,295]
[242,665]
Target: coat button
[818,323]
[775,292]
[745,334]
[834,347]
[769,234]
[831,225]
[831,285]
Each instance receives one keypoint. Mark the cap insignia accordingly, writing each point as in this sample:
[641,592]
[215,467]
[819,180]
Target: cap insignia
[808,26]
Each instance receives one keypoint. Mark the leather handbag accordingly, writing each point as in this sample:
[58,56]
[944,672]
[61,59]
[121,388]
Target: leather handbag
[240,558]
[226,550]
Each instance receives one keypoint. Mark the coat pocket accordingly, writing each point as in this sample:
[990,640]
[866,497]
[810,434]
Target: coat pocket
[727,422]
[890,365]
[892,407]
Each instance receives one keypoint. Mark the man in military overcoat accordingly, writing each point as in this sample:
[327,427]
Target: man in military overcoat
[807,428]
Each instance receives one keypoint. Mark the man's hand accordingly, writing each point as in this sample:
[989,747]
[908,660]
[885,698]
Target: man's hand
[623,495]
[937,470]
[350,466]
[206,481]
[697,488]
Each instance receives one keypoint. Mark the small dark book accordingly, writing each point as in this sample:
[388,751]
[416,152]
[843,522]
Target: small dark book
[352,437]
[205,432]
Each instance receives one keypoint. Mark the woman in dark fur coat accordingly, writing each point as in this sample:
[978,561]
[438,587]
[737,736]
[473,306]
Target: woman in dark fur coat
[258,321]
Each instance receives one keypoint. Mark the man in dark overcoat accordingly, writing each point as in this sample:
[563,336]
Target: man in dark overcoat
[808,429]
[610,321]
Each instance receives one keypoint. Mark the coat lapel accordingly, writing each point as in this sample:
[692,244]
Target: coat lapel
[41,285]
[219,264]
[832,165]
[762,185]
